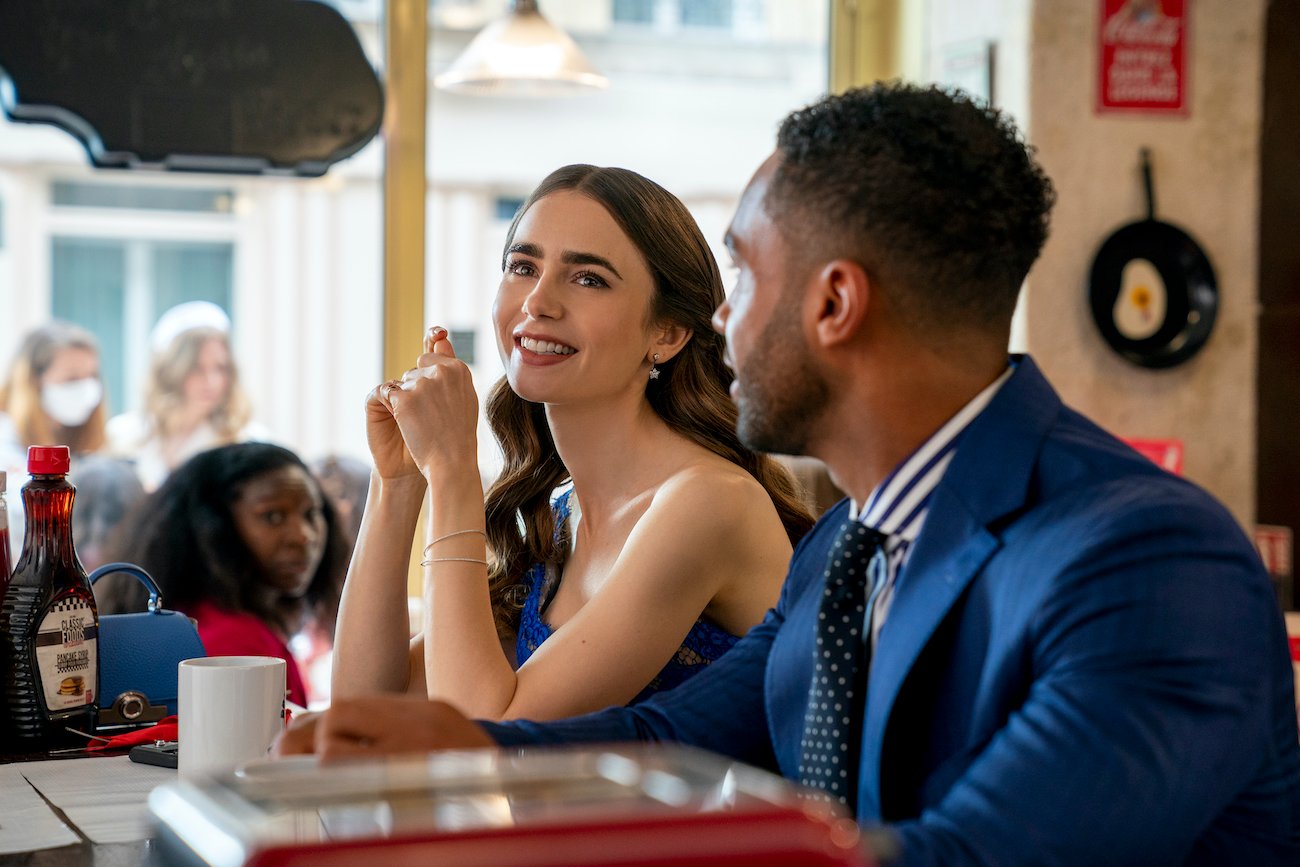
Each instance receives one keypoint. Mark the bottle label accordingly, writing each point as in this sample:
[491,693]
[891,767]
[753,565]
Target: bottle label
[66,655]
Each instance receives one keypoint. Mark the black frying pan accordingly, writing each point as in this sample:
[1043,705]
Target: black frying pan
[1152,289]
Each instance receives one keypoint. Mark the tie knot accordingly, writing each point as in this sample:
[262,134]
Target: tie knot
[857,536]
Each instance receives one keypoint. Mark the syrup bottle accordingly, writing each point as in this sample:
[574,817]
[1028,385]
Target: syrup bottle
[49,625]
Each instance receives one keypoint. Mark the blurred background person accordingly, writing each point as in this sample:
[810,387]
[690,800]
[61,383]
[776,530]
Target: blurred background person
[193,400]
[53,395]
[241,539]
[345,481]
[107,490]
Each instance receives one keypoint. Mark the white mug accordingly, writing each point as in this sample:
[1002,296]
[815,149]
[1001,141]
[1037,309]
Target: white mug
[231,709]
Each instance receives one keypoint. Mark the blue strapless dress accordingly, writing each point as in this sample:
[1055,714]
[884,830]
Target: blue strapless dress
[702,645]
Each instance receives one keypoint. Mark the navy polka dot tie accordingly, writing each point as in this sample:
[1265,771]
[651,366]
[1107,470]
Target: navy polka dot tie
[832,727]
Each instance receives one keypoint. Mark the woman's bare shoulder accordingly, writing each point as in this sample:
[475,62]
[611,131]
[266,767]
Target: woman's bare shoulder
[715,489]
[727,536]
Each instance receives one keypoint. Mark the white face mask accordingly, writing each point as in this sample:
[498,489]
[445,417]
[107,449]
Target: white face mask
[71,403]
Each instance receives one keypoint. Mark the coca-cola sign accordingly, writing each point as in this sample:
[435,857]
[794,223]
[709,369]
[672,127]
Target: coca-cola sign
[1143,56]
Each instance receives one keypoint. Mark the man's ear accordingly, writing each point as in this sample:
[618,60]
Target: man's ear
[840,293]
[669,340]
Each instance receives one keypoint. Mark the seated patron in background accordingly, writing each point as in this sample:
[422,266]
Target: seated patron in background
[670,543]
[193,400]
[1018,641]
[241,539]
[345,481]
[107,490]
[53,395]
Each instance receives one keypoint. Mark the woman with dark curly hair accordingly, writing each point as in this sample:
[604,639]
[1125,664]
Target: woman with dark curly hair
[241,539]
[631,538]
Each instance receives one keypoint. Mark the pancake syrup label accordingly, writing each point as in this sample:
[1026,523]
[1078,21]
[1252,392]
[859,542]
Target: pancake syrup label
[66,656]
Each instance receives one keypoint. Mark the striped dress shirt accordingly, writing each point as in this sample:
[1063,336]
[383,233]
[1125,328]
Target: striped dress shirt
[898,505]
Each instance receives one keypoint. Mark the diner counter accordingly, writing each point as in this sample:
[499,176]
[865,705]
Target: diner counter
[84,854]
[88,809]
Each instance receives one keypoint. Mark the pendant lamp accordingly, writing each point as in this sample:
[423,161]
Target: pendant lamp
[521,54]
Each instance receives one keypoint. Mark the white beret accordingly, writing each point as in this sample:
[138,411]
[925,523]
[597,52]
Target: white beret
[186,317]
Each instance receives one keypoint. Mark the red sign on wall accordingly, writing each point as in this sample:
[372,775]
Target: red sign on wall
[1274,546]
[1167,454]
[1143,56]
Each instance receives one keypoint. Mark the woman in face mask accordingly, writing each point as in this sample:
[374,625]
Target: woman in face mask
[53,394]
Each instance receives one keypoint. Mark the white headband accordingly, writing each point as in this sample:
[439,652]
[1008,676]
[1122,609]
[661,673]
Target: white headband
[187,317]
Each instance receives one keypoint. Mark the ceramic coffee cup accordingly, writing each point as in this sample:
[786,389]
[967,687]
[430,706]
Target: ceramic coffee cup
[231,709]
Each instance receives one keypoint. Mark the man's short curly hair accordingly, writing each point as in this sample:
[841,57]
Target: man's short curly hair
[937,196]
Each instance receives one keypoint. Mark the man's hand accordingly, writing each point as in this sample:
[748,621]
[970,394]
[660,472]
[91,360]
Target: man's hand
[381,724]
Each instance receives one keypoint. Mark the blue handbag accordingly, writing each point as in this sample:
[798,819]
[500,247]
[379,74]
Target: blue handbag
[139,654]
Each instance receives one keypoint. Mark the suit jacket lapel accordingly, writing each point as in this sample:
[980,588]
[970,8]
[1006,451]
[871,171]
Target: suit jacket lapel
[987,480]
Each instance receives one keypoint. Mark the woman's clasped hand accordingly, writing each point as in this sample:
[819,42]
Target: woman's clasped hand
[429,417]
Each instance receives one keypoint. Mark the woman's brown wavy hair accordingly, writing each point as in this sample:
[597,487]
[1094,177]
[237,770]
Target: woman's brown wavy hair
[691,394]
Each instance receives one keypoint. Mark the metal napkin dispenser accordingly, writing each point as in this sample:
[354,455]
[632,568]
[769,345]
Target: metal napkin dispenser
[617,804]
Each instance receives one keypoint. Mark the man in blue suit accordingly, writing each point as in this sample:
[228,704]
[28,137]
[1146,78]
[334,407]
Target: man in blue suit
[1067,655]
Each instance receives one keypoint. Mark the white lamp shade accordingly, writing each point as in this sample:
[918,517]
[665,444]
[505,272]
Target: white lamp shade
[521,54]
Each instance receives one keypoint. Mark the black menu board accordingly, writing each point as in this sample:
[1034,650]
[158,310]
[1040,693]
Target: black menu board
[247,86]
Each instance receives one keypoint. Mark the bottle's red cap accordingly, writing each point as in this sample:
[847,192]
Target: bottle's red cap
[48,460]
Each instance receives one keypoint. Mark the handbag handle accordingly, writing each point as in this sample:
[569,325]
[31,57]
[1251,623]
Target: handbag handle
[155,595]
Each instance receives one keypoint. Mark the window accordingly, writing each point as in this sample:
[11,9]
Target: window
[160,198]
[117,289]
[507,207]
[463,339]
[634,11]
[706,13]
[671,15]
[296,262]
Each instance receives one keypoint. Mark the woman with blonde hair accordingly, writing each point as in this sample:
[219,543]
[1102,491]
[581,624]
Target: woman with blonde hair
[53,394]
[631,538]
[193,400]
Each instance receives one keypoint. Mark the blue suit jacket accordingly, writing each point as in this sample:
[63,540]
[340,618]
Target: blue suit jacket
[1083,663]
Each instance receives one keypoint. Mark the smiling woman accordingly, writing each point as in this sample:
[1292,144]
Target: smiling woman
[241,539]
[651,538]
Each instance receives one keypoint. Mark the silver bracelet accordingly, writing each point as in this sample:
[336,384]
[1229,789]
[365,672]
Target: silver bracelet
[433,560]
[449,536]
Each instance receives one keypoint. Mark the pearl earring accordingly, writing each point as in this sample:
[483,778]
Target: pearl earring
[654,369]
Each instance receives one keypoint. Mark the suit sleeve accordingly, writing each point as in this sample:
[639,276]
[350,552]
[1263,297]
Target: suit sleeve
[720,709]
[1152,663]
